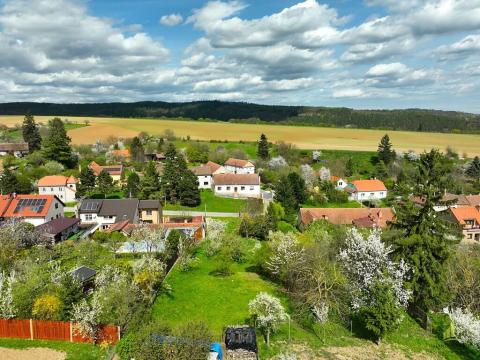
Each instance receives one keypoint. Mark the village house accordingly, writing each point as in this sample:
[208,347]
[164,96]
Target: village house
[358,217]
[468,217]
[237,185]
[15,149]
[115,171]
[365,190]
[57,230]
[106,212]
[34,209]
[206,172]
[338,182]
[118,155]
[239,166]
[63,187]
[157,157]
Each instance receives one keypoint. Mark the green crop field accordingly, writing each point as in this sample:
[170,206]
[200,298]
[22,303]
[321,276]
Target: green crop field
[302,137]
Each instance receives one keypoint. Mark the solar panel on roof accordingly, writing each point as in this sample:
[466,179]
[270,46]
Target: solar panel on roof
[40,209]
[43,201]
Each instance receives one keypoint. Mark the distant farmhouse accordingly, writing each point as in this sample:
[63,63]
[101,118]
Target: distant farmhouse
[34,209]
[15,149]
[63,187]
[115,171]
[206,172]
[237,185]
[468,218]
[239,166]
[365,190]
[60,229]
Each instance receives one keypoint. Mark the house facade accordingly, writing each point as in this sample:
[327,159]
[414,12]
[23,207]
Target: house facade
[15,149]
[365,190]
[338,182]
[239,166]
[34,209]
[150,211]
[63,187]
[468,217]
[237,185]
[206,172]
[115,171]
[60,229]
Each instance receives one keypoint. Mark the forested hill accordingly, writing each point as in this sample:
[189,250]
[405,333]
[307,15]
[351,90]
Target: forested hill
[411,119]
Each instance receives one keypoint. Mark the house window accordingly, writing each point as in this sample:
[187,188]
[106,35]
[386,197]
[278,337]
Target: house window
[228,188]
[51,189]
[371,194]
[469,236]
[362,194]
[61,189]
[242,187]
[56,205]
[381,194]
[61,196]
[205,183]
[252,188]
[219,188]
[149,212]
[88,217]
[44,189]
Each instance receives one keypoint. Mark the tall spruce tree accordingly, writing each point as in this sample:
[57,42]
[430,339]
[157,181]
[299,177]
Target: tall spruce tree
[425,240]
[297,184]
[8,182]
[136,150]
[171,174]
[133,185]
[284,195]
[385,152]
[188,189]
[86,181]
[56,145]
[31,133]
[104,182]
[262,148]
[349,167]
[150,183]
[473,169]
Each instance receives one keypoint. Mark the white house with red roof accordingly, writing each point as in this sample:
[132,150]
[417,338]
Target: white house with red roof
[365,190]
[237,185]
[63,187]
[468,217]
[206,172]
[239,166]
[34,209]
[339,183]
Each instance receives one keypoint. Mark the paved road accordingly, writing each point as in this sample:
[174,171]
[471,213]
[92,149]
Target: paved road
[200,213]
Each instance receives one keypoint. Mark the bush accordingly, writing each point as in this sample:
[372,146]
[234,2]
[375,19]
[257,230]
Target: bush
[285,227]
[187,262]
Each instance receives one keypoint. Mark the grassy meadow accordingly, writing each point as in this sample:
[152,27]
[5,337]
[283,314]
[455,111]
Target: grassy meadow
[302,137]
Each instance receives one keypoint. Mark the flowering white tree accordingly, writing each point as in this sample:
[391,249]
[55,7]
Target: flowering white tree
[152,237]
[86,317]
[367,260]
[287,252]
[324,174]
[466,327]
[148,275]
[107,276]
[277,162]
[267,312]
[308,175]
[215,228]
[7,309]
[316,154]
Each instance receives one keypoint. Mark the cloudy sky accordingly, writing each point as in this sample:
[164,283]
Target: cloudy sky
[362,54]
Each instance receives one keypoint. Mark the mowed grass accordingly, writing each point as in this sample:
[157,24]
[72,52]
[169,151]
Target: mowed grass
[74,351]
[213,203]
[303,137]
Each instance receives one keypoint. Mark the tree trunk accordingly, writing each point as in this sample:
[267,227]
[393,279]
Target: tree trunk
[268,337]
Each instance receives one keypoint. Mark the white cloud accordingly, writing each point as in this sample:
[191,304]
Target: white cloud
[171,20]
[348,93]
[469,45]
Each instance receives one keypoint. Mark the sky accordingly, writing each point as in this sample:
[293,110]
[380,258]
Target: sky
[358,53]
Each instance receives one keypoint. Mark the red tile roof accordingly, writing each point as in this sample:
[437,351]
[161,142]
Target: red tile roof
[121,153]
[361,217]
[463,213]
[213,166]
[236,179]
[202,170]
[56,180]
[369,185]
[238,162]
[111,169]
[11,210]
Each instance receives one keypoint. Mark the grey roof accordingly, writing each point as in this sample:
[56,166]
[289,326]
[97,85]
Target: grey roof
[14,146]
[122,209]
[149,204]
[90,206]
[83,274]
[57,226]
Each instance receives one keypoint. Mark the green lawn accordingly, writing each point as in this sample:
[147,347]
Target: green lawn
[249,148]
[74,351]
[214,203]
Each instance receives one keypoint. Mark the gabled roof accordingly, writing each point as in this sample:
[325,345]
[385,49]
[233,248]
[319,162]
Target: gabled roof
[202,170]
[122,209]
[236,179]
[149,204]
[23,146]
[57,226]
[361,217]
[473,200]
[213,166]
[29,205]
[238,163]
[83,274]
[120,153]
[368,185]
[463,213]
[57,180]
[111,169]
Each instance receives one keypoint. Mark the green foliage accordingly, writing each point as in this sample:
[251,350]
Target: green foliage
[473,169]
[150,183]
[382,314]
[189,193]
[56,145]
[198,152]
[104,182]
[136,150]
[299,190]
[8,182]
[86,181]
[284,195]
[133,187]
[385,151]
[381,171]
[31,133]
[262,148]
[349,167]
[257,226]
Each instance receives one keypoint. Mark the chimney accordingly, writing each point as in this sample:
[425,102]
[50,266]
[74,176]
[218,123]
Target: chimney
[14,195]
[379,214]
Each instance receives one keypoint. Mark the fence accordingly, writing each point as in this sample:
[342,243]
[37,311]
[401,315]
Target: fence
[54,330]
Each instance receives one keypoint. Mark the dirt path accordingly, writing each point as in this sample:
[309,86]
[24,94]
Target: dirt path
[32,353]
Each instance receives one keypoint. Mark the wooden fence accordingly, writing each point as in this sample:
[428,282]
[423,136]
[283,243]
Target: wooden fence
[54,330]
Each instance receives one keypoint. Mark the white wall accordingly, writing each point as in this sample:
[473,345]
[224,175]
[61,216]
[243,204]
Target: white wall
[368,195]
[62,192]
[204,181]
[241,190]
[53,213]
[341,184]
[240,170]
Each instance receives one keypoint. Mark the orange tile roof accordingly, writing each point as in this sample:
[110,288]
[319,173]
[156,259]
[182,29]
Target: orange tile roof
[236,179]
[473,200]
[97,169]
[111,169]
[29,211]
[238,162]
[369,185]
[361,217]
[4,203]
[56,180]
[213,166]
[121,153]
[463,213]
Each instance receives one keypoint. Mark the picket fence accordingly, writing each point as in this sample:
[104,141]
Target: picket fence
[54,330]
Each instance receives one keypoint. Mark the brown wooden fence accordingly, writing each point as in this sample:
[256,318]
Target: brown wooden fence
[54,330]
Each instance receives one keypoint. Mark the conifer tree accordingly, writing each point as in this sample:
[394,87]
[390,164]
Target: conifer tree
[381,170]
[349,168]
[188,189]
[133,185]
[136,150]
[170,174]
[385,152]
[56,145]
[104,182]
[285,196]
[8,182]
[262,148]
[474,169]
[31,133]
[297,184]
[86,181]
[150,184]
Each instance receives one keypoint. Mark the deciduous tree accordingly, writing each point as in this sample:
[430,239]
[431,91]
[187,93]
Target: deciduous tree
[268,313]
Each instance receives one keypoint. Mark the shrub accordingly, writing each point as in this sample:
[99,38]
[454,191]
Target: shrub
[47,307]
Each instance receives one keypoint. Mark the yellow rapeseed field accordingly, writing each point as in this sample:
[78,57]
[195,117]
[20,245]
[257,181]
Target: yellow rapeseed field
[302,137]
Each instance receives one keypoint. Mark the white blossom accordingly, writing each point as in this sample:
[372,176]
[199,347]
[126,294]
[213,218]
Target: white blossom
[308,175]
[268,313]
[215,228]
[316,154]
[277,162]
[107,276]
[86,317]
[320,312]
[368,260]
[286,253]
[7,308]
[153,238]
[324,174]
[466,327]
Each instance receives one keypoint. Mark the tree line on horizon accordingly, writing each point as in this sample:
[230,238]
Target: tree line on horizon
[408,119]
